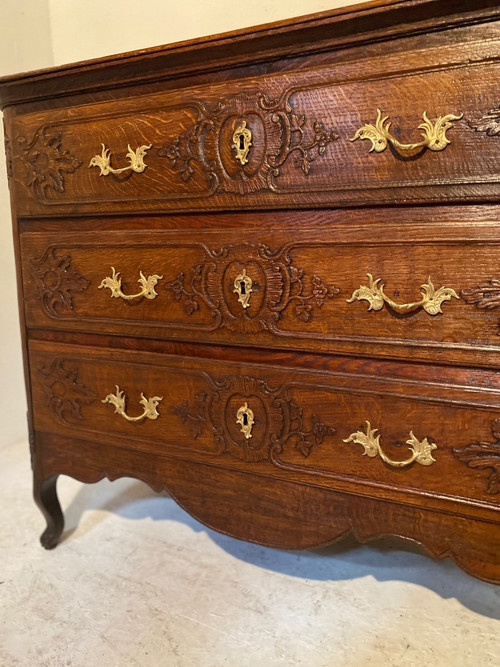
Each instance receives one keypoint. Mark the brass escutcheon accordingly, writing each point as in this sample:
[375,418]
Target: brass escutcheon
[243,288]
[245,418]
[242,141]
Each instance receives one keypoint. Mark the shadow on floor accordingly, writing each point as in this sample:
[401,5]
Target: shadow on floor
[384,560]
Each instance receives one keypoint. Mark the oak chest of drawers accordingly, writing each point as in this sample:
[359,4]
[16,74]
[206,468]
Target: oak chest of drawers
[262,271]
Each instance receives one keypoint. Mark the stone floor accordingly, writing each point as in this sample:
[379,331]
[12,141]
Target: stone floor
[138,582]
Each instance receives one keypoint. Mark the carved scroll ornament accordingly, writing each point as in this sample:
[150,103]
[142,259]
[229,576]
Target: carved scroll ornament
[279,419]
[272,272]
[264,132]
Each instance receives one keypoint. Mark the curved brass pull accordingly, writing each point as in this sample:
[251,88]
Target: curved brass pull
[136,159]
[431,298]
[243,288]
[242,141]
[245,418]
[421,451]
[115,285]
[433,133]
[118,400]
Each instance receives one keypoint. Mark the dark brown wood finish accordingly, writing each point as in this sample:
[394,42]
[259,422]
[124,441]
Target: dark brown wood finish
[315,344]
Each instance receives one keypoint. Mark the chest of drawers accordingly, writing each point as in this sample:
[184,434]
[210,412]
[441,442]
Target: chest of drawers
[261,271]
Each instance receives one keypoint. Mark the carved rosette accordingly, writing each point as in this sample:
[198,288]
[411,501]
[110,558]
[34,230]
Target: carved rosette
[46,161]
[278,421]
[64,393]
[276,134]
[276,285]
[56,281]
[484,455]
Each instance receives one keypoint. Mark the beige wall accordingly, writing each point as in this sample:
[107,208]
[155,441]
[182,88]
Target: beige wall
[92,28]
[25,44]
[39,33]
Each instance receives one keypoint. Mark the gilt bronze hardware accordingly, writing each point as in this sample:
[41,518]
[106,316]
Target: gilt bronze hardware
[118,401]
[433,133]
[114,283]
[242,141]
[421,450]
[431,298]
[245,418]
[243,288]
[136,160]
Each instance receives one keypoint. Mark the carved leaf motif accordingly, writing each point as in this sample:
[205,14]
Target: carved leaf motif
[489,122]
[484,296]
[190,296]
[195,419]
[56,280]
[64,394]
[46,161]
[484,455]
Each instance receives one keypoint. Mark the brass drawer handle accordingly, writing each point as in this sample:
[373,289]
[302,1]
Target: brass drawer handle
[434,134]
[243,288]
[421,450]
[115,285]
[136,160]
[149,404]
[245,418]
[431,301]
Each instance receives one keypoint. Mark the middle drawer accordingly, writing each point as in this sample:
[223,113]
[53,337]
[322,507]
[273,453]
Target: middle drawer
[391,292]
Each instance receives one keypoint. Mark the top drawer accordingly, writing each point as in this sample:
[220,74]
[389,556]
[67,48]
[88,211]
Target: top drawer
[370,132]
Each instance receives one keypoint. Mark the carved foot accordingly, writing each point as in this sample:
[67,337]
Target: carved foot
[45,494]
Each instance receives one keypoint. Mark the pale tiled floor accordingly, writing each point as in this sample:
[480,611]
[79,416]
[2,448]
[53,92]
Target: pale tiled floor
[138,582]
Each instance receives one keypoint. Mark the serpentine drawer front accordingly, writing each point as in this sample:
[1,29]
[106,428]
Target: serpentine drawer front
[262,271]
[385,289]
[332,134]
[382,436]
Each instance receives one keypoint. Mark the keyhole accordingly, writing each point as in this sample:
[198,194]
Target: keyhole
[245,419]
[243,288]
[242,143]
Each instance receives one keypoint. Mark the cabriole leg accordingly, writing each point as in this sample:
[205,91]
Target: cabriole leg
[45,494]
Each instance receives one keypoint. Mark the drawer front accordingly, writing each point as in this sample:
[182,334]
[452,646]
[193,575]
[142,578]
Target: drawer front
[301,139]
[417,291]
[388,437]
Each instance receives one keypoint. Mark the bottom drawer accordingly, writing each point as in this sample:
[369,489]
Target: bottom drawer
[404,434]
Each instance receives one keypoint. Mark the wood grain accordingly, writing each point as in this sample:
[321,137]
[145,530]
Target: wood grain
[307,218]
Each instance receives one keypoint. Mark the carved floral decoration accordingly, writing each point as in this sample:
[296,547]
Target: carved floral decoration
[56,281]
[483,455]
[278,132]
[489,122]
[64,393]
[46,161]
